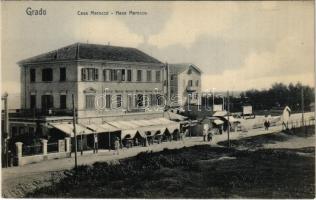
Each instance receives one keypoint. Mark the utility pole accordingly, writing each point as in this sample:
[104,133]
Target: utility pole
[213,100]
[6,128]
[302,105]
[75,132]
[228,125]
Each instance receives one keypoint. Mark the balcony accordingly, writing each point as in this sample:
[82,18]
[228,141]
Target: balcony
[191,88]
[39,113]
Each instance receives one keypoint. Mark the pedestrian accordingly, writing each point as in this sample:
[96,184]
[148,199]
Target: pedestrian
[116,146]
[210,134]
[265,125]
[205,131]
[95,145]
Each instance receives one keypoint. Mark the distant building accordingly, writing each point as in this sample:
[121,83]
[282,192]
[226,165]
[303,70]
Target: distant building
[184,84]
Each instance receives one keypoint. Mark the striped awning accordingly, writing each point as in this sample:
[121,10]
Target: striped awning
[68,128]
[101,128]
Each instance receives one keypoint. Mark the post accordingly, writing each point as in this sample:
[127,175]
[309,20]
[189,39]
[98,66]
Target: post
[67,141]
[228,125]
[44,147]
[81,144]
[18,146]
[213,100]
[75,132]
[302,104]
[109,141]
[6,128]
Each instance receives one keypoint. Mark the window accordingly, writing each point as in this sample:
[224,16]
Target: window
[123,75]
[108,101]
[47,102]
[89,74]
[146,100]
[47,74]
[172,77]
[148,76]
[139,100]
[33,101]
[118,101]
[197,83]
[62,74]
[90,101]
[106,75]
[113,75]
[139,75]
[31,130]
[130,101]
[14,131]
[157,76]
[153,99]
[129,75]
[190,83]
[32,75]
[21,130]
[159,99]
[63,101]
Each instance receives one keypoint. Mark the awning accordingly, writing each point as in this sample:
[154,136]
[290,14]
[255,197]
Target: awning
[232,119]
[109,128]
[177,117]
[153,130]
[218,122]
[172,127]
[220,113]
[101,128]
[130,128]
[128,133]
[69,129]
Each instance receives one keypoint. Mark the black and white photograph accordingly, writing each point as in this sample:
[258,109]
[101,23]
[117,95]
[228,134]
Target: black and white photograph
[158,99]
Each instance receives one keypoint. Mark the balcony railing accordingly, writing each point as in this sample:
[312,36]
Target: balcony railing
[36,113]
[191,88]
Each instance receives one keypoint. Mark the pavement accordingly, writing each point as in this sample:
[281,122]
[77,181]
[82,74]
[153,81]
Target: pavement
[17,181]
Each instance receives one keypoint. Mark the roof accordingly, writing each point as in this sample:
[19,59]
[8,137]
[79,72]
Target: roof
[181,67]
[79,51]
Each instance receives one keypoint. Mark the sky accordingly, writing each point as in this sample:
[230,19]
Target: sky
[237,45]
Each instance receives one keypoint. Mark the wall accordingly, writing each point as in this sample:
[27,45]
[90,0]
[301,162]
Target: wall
[123,88]
[55,87]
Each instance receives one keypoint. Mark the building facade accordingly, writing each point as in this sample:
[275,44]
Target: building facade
[104,80]
[106,84]
[184,84]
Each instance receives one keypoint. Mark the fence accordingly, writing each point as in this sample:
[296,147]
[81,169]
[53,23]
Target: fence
[36,153]
[32,150]
[52,147]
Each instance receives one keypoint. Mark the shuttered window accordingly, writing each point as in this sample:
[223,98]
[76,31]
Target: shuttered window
[90,104]
[89,74]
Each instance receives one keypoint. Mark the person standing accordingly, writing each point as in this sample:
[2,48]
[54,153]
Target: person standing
[205,131]
[116,145]
[95,146]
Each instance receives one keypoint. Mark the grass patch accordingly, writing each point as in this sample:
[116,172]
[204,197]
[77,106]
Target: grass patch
[195,172]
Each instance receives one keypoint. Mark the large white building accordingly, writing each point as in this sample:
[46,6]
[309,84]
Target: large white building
[114,89]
